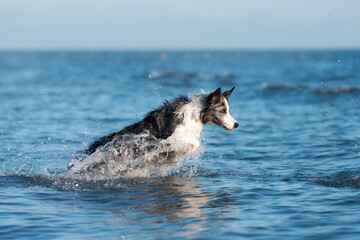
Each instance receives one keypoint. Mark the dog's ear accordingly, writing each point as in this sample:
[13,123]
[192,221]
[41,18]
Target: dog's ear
[214,97]
[228,93]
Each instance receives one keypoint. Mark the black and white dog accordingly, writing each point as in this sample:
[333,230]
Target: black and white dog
[175,127]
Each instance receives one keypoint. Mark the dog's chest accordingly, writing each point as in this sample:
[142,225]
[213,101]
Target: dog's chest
[188,133]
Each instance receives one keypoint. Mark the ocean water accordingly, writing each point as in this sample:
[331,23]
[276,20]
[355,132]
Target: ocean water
[291,170]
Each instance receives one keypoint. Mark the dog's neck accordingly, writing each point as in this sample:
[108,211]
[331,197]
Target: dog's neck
[191,127]
[192,124]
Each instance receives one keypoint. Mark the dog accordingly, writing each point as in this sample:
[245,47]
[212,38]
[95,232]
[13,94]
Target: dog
[165,136]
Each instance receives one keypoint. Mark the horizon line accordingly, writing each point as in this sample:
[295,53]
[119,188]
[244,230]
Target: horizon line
[215,49]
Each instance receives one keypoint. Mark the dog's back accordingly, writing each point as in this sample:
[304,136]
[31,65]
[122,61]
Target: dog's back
[160,123]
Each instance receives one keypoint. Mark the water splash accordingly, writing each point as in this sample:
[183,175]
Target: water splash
[132,156]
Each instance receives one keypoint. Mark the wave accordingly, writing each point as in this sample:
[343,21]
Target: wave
[174,74]
[63,183]
[322,90]
[282,87]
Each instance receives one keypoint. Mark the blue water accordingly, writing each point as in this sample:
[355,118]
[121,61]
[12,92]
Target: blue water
[290,171]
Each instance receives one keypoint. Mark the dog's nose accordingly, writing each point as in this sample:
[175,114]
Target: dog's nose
[236,125]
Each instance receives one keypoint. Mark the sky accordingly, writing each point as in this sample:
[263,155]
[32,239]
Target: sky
[173,24]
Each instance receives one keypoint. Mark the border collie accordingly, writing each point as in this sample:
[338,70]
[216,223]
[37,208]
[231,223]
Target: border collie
[171,131]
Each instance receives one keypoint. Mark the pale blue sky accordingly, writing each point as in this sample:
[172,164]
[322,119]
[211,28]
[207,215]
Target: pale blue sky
[186,24]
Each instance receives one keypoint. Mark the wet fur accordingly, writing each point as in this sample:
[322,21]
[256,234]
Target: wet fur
[163,122]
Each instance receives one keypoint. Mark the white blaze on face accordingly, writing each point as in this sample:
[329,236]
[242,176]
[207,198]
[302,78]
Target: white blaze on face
[228,120]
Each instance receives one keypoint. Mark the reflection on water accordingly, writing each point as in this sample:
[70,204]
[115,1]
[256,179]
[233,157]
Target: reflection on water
[164,200]
[172,200]
[180,200]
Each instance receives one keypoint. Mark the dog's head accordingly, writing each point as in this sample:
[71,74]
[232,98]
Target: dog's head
[217,110]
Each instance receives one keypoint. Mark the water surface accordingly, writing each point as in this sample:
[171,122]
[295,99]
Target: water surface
[290,171]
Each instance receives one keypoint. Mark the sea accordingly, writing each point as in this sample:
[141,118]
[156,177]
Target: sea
[291,170]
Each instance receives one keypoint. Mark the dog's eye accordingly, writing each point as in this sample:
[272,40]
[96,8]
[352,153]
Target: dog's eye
[223,111]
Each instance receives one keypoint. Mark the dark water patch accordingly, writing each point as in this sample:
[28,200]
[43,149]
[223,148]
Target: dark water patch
[321,90]
[336,91]
[340,179]
[328,155]
[338,77]
[282,87]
